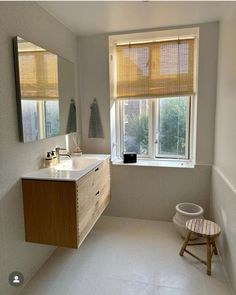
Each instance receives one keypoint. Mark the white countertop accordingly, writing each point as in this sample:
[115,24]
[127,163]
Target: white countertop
[66,175]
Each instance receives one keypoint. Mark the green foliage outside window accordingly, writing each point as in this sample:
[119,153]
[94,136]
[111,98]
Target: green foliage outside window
[137,130]
[172,126]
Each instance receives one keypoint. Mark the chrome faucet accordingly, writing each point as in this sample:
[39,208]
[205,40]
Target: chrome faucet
[58,155]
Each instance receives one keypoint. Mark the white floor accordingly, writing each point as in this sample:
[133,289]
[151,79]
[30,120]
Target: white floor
[124,256]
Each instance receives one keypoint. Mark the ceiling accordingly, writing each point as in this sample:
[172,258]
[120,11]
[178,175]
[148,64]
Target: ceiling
[97,17]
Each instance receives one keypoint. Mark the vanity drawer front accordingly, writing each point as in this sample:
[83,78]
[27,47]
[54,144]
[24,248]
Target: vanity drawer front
[93,195]
[91,183]
[101,175]
[104,192]
[94,199]
[89,215]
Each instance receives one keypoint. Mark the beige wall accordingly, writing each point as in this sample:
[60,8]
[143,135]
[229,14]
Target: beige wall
[161,188]
[223,197]
[31,22]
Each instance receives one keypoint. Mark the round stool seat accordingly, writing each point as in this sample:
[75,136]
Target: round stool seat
[203,227]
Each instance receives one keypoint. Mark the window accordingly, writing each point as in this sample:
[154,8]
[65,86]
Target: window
[153,90]
[157,128]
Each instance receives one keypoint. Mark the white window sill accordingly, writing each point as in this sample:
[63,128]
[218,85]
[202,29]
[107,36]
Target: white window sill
[157,163]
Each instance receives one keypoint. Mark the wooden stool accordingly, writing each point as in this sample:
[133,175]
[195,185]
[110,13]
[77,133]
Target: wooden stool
[203,228]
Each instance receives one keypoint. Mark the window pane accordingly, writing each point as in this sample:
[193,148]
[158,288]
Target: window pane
[52,124]
[135,126]
[172,126]
[30,120]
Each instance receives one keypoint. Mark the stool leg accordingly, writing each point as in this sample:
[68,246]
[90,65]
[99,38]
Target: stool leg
[181,253]
[209,256]
[214,247]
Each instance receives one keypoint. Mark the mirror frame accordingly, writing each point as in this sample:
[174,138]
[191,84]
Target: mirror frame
[18,89]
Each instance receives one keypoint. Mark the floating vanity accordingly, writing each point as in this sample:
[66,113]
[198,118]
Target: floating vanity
[62,204]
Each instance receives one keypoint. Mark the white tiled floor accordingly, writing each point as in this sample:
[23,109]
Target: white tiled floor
[124,256]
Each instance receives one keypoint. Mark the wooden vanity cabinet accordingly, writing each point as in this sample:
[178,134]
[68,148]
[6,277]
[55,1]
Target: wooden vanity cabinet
[62,213]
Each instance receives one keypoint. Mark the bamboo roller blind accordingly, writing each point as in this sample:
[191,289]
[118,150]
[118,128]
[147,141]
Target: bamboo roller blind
[155,69]
[38,75]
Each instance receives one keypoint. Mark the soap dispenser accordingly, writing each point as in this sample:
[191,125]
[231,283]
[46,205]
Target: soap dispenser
[54,157]
[48,162]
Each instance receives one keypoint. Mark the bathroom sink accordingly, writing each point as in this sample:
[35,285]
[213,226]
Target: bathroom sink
[69,169]
[77,163]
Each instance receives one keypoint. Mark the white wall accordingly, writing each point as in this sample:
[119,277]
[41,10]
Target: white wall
[31,22]
[223,197]
[151,192]
[94,82]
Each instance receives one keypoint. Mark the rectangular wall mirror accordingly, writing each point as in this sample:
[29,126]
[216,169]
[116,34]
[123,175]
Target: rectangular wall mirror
[45,92]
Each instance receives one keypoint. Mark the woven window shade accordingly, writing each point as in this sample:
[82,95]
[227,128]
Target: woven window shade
[38,75]
[155,69]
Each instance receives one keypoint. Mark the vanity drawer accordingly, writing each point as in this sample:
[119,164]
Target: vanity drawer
[89,186]
[92,206]
[101,176]
[89,215]
[94,198]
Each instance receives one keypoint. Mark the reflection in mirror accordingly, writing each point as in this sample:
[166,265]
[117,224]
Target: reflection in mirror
[66,90]
[45,89]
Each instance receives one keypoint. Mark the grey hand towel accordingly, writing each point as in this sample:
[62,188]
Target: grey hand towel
[95,123]
[71,122]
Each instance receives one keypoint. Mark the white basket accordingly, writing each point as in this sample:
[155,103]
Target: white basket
[184,212]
